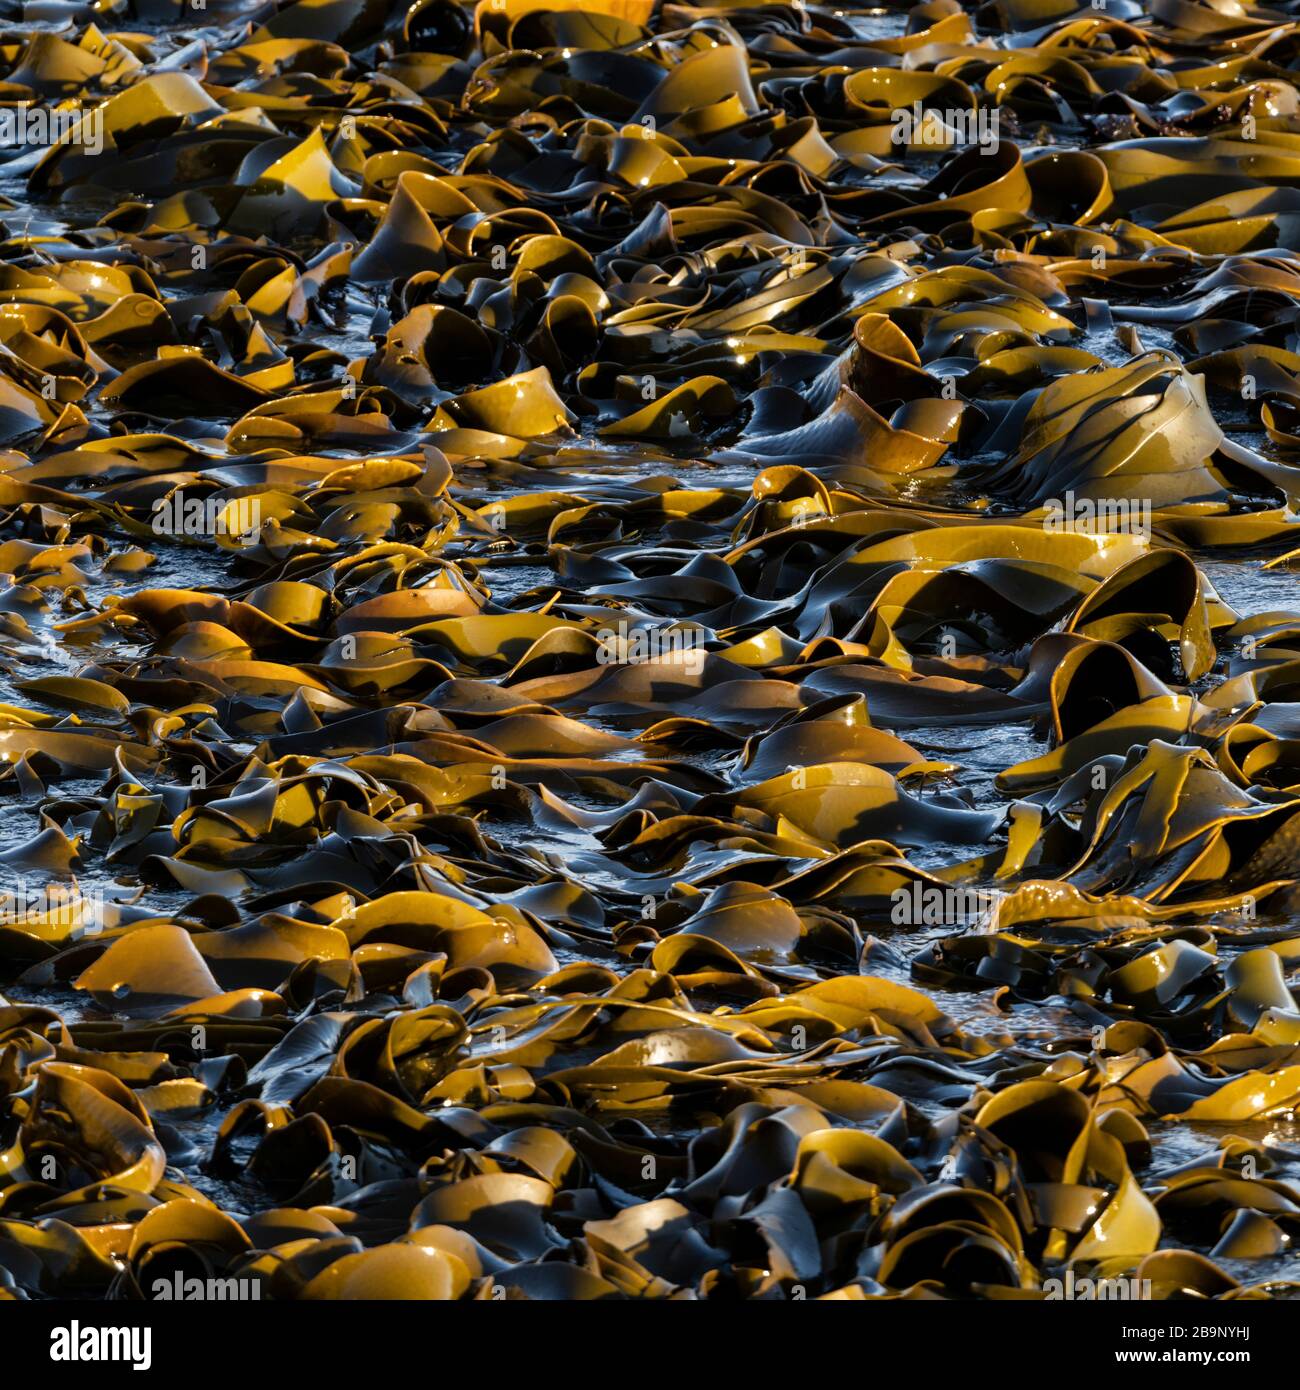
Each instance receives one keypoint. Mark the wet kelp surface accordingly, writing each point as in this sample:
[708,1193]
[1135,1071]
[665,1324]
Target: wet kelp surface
[646,649]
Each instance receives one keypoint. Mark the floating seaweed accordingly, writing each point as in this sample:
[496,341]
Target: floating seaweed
[644,649]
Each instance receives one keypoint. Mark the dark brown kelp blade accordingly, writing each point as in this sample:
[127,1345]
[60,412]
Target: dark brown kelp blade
[649,651]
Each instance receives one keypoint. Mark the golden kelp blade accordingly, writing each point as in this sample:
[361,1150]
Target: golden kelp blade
[649,651]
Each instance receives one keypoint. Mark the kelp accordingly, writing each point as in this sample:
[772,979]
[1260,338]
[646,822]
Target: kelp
[623,670]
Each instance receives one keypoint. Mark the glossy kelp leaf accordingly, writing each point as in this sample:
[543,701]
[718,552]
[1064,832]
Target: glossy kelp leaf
[647,652]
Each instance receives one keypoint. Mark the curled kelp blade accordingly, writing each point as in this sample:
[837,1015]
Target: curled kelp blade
[645,652]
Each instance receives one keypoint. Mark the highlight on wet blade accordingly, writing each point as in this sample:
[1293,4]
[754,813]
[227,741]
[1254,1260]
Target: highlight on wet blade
[649,650]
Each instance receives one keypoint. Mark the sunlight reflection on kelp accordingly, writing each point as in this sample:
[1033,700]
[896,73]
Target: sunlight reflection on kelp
[643,649]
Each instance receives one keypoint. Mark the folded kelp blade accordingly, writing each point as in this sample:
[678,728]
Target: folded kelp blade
[848,443]
[1102,702]
[1171,823]
[1165,582]
[1143,431]
[150,969]
[539,543]
[83,1128]
[843,803]
[834,730]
